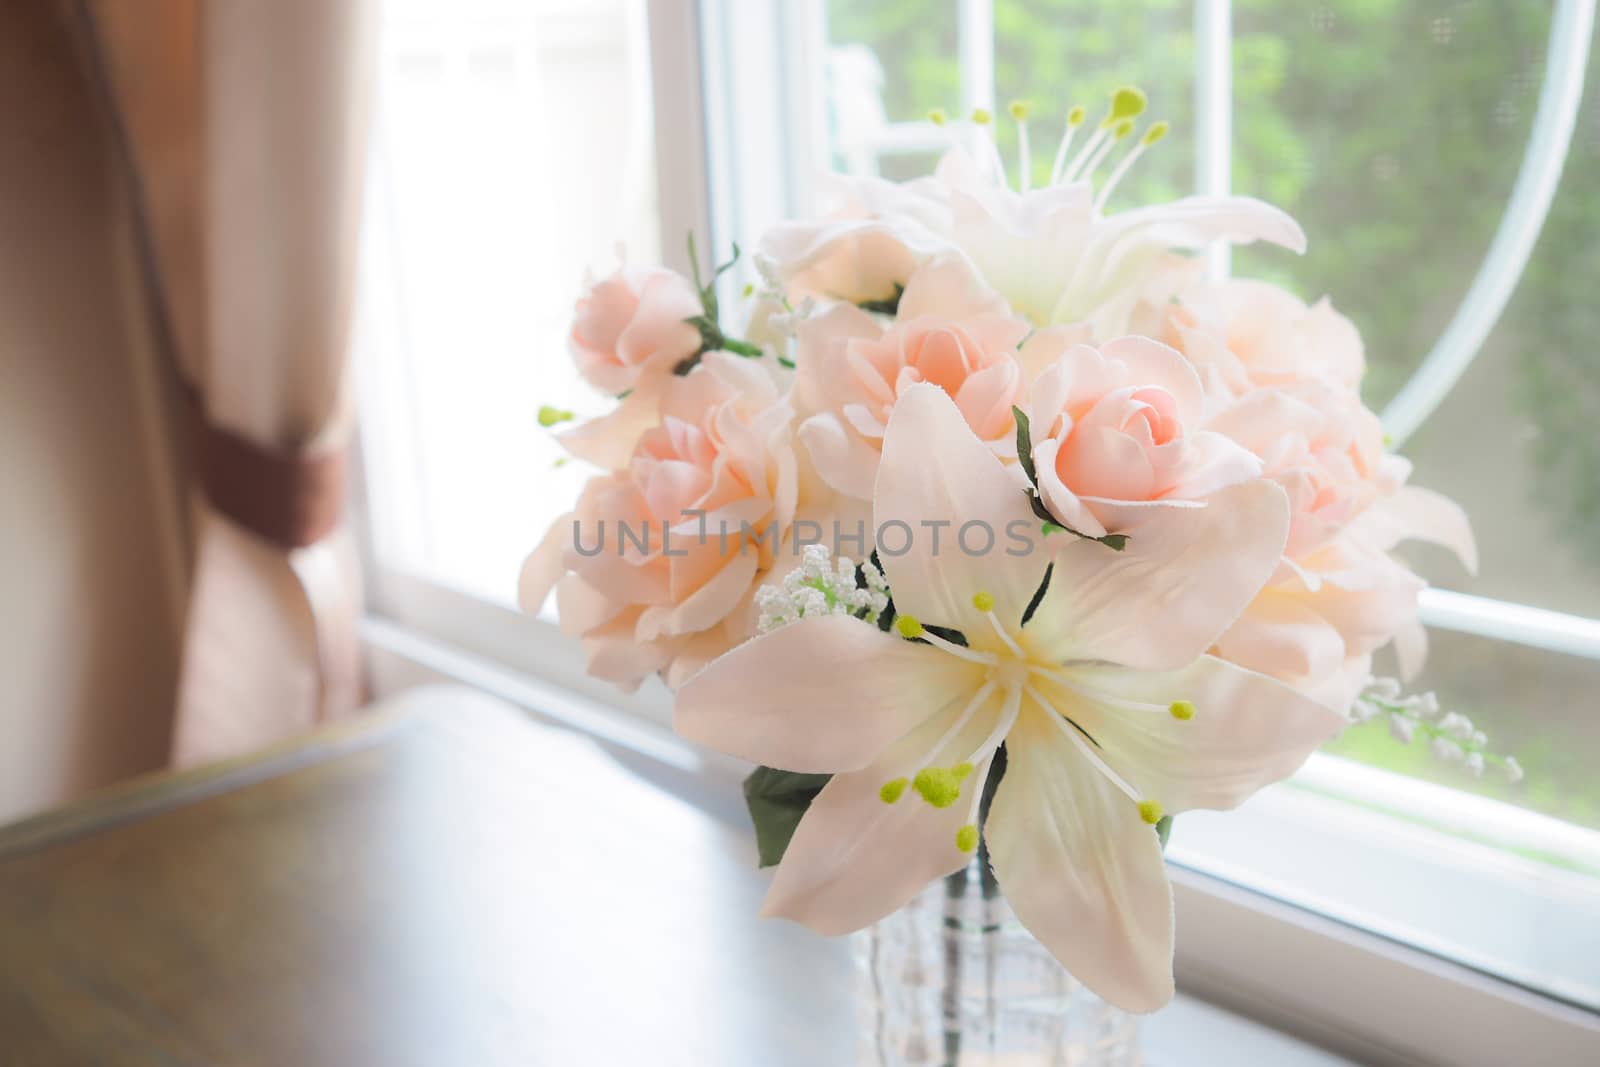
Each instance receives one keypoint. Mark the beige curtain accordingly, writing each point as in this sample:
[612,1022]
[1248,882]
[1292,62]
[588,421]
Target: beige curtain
[244,126]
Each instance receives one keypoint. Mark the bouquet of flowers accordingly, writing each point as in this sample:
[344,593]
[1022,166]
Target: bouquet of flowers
[998,522]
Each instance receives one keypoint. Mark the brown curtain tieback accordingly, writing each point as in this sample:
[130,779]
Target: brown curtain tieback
[288,498]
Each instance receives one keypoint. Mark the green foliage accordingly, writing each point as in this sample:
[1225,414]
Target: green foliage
[708,322]
[1025,444]
[777,800]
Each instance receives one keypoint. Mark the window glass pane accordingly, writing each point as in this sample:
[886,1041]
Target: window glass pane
[891,61]
[513,147]
[1403,127]
[1533,704]
[1057,53]
[1517,441]
[1394,131]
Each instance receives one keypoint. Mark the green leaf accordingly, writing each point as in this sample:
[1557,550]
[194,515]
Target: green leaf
[1164,830]
[740,348]
[718,272]
[889,305]
[1050,524]
[887,616]
[1038,594]
[1025,445]
[694,264]
[955,637]
[777,799]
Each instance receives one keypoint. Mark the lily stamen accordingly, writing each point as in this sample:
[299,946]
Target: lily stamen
[978,700]
[1155,133]
[984,602]
[1119,133]
[1127,104]
[1089,148]
[909,628]
[1008,719]
[988,659]
[1088,753]
[981,124]
[959,143]
[1019,112]
[1075,119]
[1100,698]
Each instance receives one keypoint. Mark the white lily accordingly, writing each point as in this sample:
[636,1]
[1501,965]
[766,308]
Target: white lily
[1053,252]
[1109,708]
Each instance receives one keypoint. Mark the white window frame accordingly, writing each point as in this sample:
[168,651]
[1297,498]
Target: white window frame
[1349,989]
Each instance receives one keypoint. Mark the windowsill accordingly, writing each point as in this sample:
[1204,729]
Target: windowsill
[1476,903]
[1191,1033]
[1367,994]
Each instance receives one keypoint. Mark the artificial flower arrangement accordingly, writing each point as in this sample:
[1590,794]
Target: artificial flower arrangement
[1000,525]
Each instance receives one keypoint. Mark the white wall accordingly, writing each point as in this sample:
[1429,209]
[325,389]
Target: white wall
[89,633]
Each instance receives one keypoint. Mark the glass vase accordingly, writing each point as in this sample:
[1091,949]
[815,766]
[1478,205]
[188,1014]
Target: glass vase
[954,980]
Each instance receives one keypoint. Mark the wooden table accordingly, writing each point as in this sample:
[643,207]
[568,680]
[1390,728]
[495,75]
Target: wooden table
[446,884]
[442,884]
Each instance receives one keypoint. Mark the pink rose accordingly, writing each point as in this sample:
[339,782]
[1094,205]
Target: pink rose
[1115,432]
[631,325]
[665,554]
[1339,595]
[1323,447]
[1318,621]
[1245,335]
[950,332]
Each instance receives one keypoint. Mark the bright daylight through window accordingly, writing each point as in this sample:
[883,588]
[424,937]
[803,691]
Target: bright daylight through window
[1402,135]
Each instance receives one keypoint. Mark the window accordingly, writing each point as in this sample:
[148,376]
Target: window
[1422,147]
[493,184]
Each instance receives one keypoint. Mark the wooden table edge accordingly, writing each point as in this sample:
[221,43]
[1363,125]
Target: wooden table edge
[161,790]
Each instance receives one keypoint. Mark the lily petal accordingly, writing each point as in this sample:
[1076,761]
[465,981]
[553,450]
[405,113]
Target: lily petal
[544,566]
[609,440]
[855,858]
[1195,221]
[947,286]
[936,477]
[1182,580]
[1081,869]
[821,695]
[1246,730]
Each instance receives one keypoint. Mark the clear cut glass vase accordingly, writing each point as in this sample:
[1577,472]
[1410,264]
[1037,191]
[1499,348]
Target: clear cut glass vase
[954,980]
